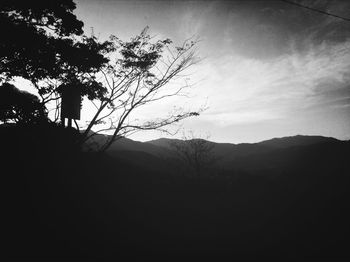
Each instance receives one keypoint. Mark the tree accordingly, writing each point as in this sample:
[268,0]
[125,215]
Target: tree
[33,30]
[44,44]
[20,107]
[195,153]
[140,75]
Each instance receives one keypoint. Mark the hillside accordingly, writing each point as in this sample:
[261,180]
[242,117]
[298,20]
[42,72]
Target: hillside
[298,140]
[131,204]
[275,153]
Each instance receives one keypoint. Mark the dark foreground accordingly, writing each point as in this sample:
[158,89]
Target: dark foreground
[63,205]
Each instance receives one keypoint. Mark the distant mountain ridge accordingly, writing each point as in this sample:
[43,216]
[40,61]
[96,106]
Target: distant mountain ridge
[278,142]
[243,149]
[275,142]
[298,140]
[273,153]
[162,147]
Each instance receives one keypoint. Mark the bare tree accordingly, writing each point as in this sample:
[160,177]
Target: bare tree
[195,152]
[141,74]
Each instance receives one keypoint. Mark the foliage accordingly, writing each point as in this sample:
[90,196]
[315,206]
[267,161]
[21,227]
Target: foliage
[20,107]
[43,44]
[33,30]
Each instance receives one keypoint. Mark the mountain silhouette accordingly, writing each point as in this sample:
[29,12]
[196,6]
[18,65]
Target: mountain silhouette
[298,140]
[280,199]
[270,157]
[263,154]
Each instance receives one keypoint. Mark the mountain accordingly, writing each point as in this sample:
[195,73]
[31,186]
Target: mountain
[228,152]
[271,156]
[296,158]
[298,140]
[163,142]
[219,149]
[283,200]
[162,147]
[126,144]
[280,196]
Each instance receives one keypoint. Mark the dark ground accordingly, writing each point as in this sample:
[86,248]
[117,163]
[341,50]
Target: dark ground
[61,204]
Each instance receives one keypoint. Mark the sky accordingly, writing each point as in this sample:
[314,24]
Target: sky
[269,68]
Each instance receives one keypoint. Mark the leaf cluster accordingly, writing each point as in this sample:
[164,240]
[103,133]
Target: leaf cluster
[44,43]
[19,106]
[140,52]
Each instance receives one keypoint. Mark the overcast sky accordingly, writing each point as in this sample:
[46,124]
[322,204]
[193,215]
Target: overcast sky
[271,69]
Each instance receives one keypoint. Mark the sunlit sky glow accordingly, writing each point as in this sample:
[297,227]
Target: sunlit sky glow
[270,69]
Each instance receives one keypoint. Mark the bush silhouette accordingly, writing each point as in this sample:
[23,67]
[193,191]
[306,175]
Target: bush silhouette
[19,106]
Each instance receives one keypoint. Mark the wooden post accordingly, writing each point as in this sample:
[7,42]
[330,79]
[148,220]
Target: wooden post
[69,122]
[62,119]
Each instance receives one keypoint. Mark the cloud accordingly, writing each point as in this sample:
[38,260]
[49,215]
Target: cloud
[250,90]
[263,29]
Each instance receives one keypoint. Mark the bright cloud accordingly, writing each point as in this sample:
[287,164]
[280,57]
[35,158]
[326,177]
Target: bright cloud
[252,90]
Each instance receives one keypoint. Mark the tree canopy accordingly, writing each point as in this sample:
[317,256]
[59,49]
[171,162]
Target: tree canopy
[44,44]
[19,106]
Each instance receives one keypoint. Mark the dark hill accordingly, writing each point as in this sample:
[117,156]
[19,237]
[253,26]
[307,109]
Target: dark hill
[62,204]
[125,144]
[298,140]
[229,153]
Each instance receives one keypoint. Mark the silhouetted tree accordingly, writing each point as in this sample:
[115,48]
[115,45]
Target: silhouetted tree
[139,75]
[43,43]
[33,30]
[194,152]
[20,107]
